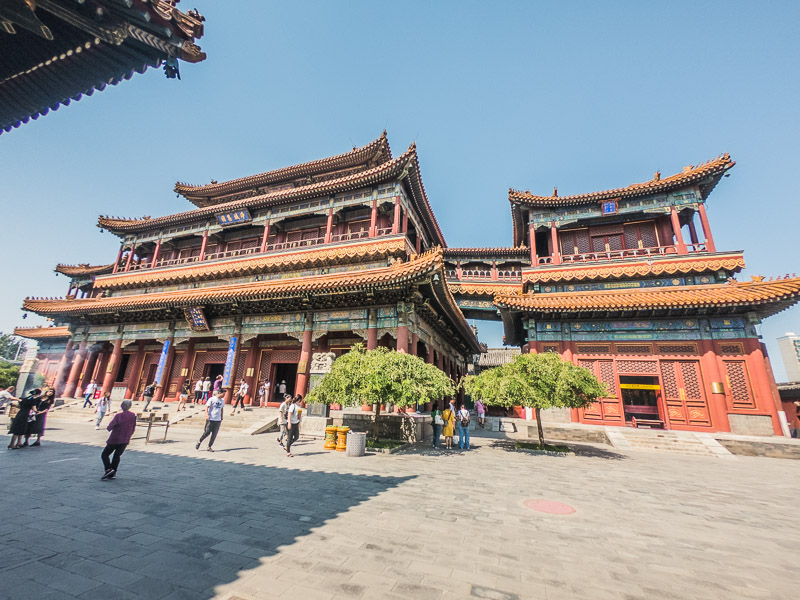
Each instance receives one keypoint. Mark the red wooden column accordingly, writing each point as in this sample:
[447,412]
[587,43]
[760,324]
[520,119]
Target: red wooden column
[372,329]
[495,276]
[75,371]
[402,328]
[412,349]
[154,262]
[762,387]
[459,270]
[133,382]
[328,226]
[419,243]
[186,364]
[112,368]
[429,357]
[405,221]
[88,371]
[717,403]
[251,365]
[396,222]
[163,382]
[693,233]
[301,383]
[130,257]
[63,370]
[265,237]
[203,246]
[532,236]
[710,247]
[373,220]
[554,241]
[676,229]
[119,257]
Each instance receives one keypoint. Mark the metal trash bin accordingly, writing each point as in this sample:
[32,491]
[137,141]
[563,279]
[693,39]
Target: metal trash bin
[356,444]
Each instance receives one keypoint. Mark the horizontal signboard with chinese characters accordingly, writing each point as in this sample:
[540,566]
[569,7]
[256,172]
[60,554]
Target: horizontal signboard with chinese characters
[236,217]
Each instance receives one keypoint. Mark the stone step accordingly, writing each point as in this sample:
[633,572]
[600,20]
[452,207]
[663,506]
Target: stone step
[684,442]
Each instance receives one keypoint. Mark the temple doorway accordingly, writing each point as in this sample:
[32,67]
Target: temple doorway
[211,370]
[283,372]
[641,400]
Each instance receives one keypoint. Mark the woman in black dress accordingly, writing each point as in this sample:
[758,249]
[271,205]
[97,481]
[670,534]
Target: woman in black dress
[36,427]
[19,426]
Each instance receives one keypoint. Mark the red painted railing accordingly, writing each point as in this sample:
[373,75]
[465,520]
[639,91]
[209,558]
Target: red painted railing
[634,253]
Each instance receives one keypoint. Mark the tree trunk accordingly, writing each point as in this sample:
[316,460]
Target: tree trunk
[376,424]
[539,426]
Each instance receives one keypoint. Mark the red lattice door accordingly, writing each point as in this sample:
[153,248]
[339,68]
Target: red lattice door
[682,385]
[738,382]
[605,409]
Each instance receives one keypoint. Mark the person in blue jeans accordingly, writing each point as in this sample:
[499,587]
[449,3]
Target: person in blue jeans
[438,424]
[463,427]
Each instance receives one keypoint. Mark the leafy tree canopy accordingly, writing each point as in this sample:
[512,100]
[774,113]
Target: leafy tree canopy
[539,381]
[8,374]
[9,345]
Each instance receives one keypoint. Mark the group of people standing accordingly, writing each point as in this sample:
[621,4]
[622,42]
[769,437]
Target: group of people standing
[446,422]
[289,415]
[31,417]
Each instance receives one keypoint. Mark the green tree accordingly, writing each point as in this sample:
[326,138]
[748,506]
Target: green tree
[8,374]
[11,347]
[536,380]
[378,377]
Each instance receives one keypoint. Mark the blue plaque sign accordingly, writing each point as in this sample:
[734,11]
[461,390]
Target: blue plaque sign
[162,361]
[196,317]
[236,217]
[609,207]
[226,375]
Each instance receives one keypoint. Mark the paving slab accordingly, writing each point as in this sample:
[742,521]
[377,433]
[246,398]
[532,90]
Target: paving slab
[247,522]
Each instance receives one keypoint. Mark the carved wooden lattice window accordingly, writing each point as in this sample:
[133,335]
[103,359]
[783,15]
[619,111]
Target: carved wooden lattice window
[174,373]
[575,241]
[739,384]
[691,380]
[637,366]
[606,376]
[593,349]
[634,349]
[606,238]
[550,348]
[669,379]
[286,356]
[640,235]
[129,367]
[263,370]
[683,393]
[677,348]
[731,349]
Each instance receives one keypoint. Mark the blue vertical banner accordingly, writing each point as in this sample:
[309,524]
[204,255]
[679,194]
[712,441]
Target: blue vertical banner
[162,361]
[226,375]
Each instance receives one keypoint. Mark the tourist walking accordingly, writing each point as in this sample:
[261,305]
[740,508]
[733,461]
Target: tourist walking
[448,430]
[480,409]
[121,427]
[263,393]
[6,398]
[281,389]
[217,383]
[282,410]
[438,424]
[183,396]
[198,390]
[103,406]
[19,424]
[38,417]
[239,397]
[148,394]
[206,389]
[88,393]
[463,428]
[292,423]
[214,408]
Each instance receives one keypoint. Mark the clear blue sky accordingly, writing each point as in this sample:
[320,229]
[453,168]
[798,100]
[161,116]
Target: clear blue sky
[580,95]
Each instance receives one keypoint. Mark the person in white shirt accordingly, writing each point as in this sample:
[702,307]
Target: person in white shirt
[281,389]
[198,390]
[6,396]
[239,398]
[214,408]
[88,393]
[206,388]
[282,409]
[293,423]
[263,393]
[103,406]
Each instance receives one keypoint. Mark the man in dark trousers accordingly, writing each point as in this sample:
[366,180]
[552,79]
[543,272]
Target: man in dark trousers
[213,419]
[148,394]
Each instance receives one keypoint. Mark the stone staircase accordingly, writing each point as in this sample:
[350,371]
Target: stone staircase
[252,420]
[675,442]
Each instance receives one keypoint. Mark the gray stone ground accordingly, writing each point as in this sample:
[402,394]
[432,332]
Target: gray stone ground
[247,522]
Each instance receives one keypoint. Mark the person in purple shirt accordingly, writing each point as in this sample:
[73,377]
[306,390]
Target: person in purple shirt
[121,427]
[218,383]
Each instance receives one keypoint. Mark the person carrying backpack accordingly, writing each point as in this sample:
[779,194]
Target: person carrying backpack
[148,394]
[463,427]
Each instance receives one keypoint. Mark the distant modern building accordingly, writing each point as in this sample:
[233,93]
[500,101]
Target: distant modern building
[790,351]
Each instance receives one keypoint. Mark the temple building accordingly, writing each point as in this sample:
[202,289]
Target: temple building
[269,269]
[264,271]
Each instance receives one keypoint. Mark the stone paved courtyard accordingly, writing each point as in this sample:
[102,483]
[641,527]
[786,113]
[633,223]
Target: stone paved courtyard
[247,522]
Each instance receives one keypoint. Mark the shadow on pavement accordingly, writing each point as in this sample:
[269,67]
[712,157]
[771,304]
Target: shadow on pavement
[167,526]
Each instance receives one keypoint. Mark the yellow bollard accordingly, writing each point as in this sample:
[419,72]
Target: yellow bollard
[341,443]
[330,438]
